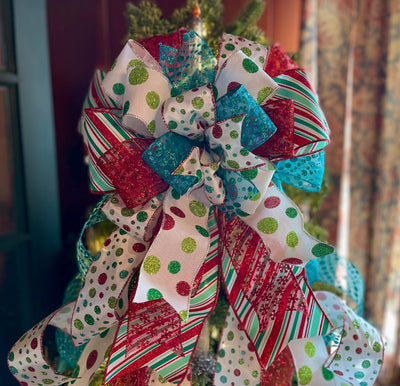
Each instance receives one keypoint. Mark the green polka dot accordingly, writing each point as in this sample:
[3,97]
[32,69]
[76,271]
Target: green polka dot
[246,51]
[356,324]
[230,335]
[136,62]
[327,374]
[202,231]
[321,249]
[113,65]
[152,99]
[249,174]
[234,134]
[365,364]
[377,346]
[249,66]
[183,315]
[238,118]
[118,88]
[78,324]
[48,381]
[151,265]
[292,240]
[255,374]
[127,212]
[291,212]
[338,357]
[175,194]
[123,274]
[267,225]
[241,361]
[180,170]
[198,103]
[89,319]
[197,208]
[233,164]
[97,310]
[152,126]
[112,301]
[244,151]
[154,294]
[229,47]
[142,216]
[221,353]
[138,75]
[263,93]
[188,245]
[180,98]
[256,197]
[309,349]
[126,107]
[174,267]
[172,125]
[305,375]
[119,252]
[92,292]
[11,357]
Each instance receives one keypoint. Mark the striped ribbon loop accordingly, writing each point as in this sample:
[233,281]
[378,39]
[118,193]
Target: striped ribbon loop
[311,131]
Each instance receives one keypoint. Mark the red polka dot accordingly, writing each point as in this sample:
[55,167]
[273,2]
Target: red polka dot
[336,307]
[110,315]
[169,222]
[101,295]
[183,288]
[338,372]
[138,247]
[107,242]
[23,384]
[102,278]
[251,347]
[236,372]
[126,227]
[321,296]
[31,369]
[272,202]
[217,131]
[292,260]
[91,359]
[355,337]
[34,343]
[232,85]
[195,89]
[177,212]
[358,350]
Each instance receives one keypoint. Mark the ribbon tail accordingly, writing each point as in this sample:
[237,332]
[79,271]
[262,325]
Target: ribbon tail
[169,365]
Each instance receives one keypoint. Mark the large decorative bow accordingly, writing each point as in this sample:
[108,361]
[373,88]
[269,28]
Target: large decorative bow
[194,150]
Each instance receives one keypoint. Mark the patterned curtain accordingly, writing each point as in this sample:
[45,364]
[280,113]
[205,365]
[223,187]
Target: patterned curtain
[352,49]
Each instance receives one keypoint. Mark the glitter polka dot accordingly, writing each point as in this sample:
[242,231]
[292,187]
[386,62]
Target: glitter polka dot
[272,202]
[153,294]
[263,94]
[291,239]
[267,225]
[291,212]
[152,99]
[188,245]
[174,267]
[198,103]
[249,66]
[197,208]
[305,375]
[138,75]
[183,288]
[118,88]
[151,265]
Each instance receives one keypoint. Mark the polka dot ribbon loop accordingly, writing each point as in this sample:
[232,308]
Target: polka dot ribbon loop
[137,83]
[241,61]
[189,113]
[177,252]
[280,225]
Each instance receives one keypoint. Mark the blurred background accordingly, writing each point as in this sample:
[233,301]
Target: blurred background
[48,53]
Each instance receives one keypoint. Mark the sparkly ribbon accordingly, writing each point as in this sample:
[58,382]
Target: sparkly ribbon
[172,138]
